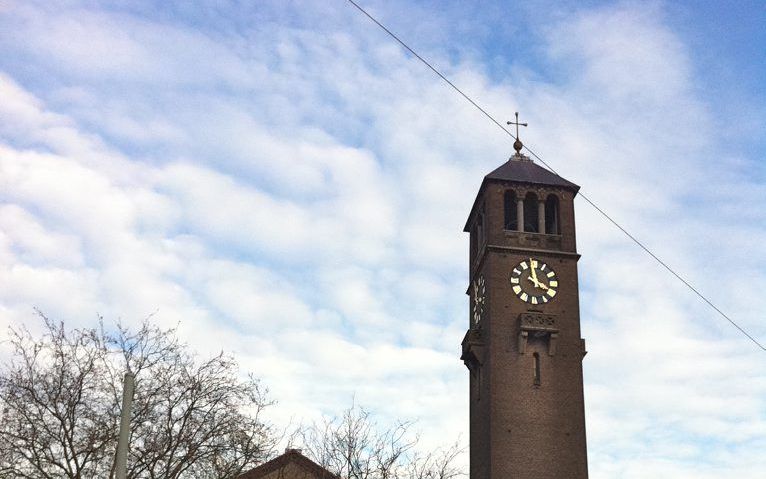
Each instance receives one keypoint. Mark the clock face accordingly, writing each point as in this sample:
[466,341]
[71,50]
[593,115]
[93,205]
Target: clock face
[479,298]
[534,282]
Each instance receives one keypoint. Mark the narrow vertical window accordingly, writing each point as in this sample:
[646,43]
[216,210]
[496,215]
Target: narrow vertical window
[531,222]
[509,203]
[536,357]
[480,230]
[552,215]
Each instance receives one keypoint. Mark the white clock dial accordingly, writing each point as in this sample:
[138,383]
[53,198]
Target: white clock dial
[479,299]
[534,282]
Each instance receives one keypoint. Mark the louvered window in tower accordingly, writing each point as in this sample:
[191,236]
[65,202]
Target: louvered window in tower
[531,223]
[509,205]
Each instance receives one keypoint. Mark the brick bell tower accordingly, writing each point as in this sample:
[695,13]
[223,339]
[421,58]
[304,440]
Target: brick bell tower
[523,348]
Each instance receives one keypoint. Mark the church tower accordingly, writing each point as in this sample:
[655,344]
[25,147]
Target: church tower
[523,348]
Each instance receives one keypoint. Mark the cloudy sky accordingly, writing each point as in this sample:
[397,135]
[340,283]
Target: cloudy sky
[285,182]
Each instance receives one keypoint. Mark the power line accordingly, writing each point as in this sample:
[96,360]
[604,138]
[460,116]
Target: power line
[582,195]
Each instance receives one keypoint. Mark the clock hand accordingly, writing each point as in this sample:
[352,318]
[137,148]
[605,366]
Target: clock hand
[532,271]
[538,284]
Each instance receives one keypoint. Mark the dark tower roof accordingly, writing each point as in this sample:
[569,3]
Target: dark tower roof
[520,169]
[525,171]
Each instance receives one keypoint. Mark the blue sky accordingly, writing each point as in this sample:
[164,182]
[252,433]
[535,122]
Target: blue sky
[283,181]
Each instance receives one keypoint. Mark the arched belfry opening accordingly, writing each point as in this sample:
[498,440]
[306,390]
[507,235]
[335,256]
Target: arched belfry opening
[511,211]
[531,223]
[552,224]
[477,235]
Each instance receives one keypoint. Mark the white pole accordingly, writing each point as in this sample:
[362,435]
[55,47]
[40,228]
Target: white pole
[121,461]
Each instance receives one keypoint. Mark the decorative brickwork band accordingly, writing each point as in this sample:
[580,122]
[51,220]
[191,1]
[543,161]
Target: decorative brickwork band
[538,324]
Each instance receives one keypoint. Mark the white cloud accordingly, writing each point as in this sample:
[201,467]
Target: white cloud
[297,197]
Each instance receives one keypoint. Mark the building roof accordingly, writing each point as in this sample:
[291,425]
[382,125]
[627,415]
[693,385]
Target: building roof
[281,467]
[526,171]
[520,169]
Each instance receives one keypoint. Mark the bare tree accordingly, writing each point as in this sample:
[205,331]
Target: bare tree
[353,446]
[60,397]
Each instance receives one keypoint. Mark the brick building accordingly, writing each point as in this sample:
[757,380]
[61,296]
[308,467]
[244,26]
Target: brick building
[290,465]
[523,346]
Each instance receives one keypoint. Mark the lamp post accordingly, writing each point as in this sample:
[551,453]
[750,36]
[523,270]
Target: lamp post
[121,459]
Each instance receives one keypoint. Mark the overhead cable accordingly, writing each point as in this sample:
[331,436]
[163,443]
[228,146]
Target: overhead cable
[581,194]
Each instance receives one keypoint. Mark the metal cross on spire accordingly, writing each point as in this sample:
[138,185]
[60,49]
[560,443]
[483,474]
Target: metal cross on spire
[517,145]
